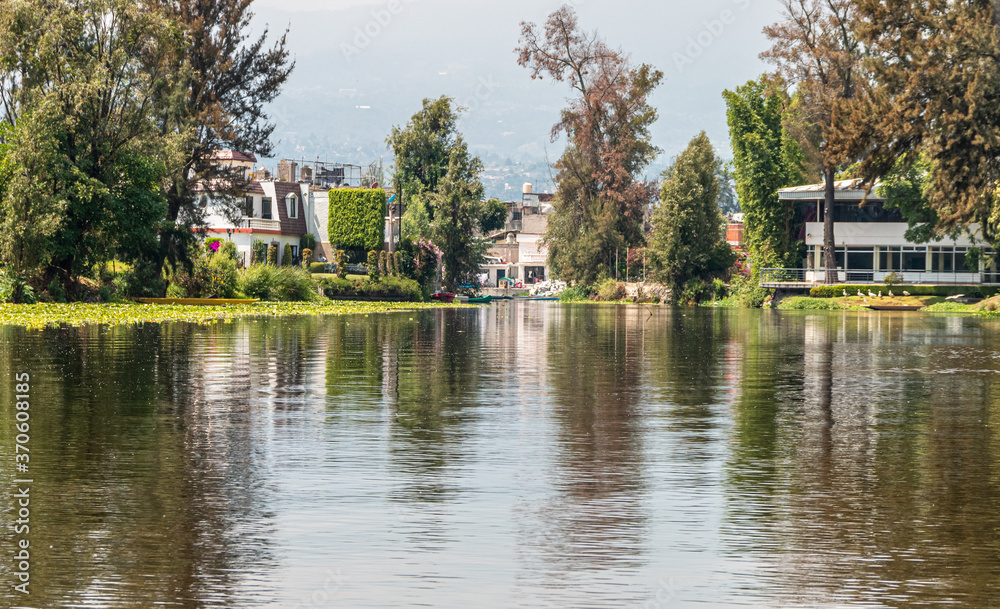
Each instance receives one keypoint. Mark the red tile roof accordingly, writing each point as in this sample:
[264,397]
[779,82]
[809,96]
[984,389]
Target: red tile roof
[232,155]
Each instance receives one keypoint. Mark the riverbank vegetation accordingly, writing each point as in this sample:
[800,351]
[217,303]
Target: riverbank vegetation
[111,114]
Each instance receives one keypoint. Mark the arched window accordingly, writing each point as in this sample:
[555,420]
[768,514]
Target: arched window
[203,203]
[292,206]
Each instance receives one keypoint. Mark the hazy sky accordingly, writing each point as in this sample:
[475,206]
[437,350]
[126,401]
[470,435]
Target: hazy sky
[363,66]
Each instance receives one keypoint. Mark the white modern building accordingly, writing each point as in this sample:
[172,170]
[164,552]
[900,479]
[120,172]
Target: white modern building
[871,243]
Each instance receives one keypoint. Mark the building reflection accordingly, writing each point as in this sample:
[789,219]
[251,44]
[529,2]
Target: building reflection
[884,468]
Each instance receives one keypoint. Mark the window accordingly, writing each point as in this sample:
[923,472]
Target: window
[248,207]
[203,203]
[861,258]
[915,259]
[889,259]
[292,206]
[265,208]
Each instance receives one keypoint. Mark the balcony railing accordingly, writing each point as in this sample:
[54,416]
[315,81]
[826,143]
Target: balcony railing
[262,224]
[776,278]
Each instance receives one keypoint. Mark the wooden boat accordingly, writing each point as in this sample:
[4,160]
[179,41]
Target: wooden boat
[198,301]
[895,307]
[480,299]
[444,296]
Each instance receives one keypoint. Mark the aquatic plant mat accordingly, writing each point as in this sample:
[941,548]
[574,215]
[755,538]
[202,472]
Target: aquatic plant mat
[79,314]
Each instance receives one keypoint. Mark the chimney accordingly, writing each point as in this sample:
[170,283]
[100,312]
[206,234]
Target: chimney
[307,174]
[294,172]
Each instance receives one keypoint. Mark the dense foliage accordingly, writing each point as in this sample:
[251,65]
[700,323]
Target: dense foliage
[110,112]
[441,181]
[357,218]
[765,158]
[688,239]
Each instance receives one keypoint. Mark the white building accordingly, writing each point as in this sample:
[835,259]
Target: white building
[871,243]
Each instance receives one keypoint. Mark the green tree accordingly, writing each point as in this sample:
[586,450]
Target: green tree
[94,66]
[32,195]
[222,81]
[423,147]
[600,203]
[688,239]
[765,158]
[442,179]
[816,49]
[936,100]
[907,188]
[416,220]
[460,215]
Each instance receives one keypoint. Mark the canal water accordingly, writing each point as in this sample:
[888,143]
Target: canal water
[517,455]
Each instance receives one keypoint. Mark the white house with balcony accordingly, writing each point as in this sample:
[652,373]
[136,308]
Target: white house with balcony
[871,243]
[519,252]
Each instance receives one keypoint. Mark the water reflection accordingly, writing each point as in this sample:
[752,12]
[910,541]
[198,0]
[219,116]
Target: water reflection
[518,455]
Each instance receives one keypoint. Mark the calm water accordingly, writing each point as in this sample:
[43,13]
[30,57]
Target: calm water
[521,455]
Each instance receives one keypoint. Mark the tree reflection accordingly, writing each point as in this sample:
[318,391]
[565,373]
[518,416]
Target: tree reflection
[140,494]
[596,518]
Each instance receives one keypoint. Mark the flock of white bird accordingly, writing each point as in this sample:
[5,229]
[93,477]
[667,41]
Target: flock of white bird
[874,295]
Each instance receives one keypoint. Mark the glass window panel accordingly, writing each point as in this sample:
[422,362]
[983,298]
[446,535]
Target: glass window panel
[914,261]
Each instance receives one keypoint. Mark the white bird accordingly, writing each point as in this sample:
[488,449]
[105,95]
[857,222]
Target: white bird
[880,293]
[955,297]
[845,292]
[905,293]
[890,293]
[864,299]
[860,294]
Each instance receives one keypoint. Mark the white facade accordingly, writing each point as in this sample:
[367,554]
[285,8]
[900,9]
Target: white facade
[870,242]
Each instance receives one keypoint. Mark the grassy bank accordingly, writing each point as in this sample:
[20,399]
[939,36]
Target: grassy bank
[929,304]
[80,314]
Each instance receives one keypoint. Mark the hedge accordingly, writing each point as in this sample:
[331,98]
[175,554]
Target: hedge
[386,287]
[834,291]
[357,218]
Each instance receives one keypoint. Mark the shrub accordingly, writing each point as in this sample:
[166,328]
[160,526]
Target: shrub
[396,287]
[610,291]
[373,270]
[307,255]
[747,291]
[341,264]
[575,294]
[212,276]
[382,265]
[834,291]
[307,242]
[212,244]
[56,290]
[397,259]
[286,255]
[694,291]
[258,252]
[8,286]
[272,254]
[892,279]
[719,290]
[277,283]
[317,267]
